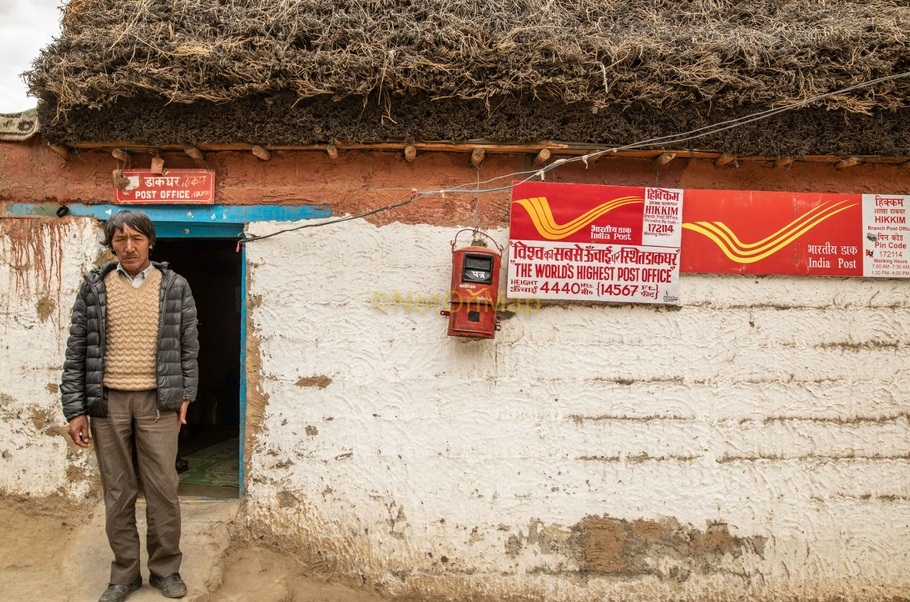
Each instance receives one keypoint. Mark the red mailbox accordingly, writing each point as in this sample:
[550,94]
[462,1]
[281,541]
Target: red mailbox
[475,290]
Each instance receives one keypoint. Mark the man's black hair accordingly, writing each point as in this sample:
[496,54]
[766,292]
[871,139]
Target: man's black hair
[134,219]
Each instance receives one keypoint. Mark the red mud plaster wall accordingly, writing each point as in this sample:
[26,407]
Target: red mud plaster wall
[358,181]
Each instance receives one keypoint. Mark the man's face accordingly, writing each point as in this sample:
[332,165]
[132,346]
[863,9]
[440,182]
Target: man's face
[132,249]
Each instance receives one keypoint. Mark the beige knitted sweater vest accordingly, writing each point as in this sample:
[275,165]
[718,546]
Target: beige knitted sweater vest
[131,332]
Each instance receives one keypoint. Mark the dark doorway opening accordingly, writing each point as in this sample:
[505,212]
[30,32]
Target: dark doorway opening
[209,443]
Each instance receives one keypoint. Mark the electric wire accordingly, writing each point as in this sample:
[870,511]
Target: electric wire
[411,199]
[474,187]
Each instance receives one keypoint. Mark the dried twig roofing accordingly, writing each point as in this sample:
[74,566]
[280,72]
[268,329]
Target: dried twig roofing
[607,61]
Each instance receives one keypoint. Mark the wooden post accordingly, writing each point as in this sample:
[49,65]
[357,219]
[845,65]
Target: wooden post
[665,158]
[261,153]
[193,152]
[477,156]
[410,153]
[332,150]
[542,157]
[157,165]
[120,155]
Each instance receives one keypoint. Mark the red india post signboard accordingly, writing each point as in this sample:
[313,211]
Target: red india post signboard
[613,243]
[173,187]
[594,243]
[803,234]
[746,232]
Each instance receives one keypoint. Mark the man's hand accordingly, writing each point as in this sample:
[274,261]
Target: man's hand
[78,430]
[186,403]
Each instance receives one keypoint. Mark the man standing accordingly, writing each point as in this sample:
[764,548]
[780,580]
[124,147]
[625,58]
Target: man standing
[131,366]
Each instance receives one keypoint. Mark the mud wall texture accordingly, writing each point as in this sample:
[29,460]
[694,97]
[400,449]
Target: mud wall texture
[41,266]
[751,443]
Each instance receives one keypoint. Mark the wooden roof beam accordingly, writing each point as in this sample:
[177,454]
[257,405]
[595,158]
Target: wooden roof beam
[560,148]
[542,157]
[260,153]
[477,156]
[848,162]
[193,152]
[664,158]
[724,159]
[783,162]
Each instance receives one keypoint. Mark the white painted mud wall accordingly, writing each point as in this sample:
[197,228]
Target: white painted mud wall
[42,262]
[774,409]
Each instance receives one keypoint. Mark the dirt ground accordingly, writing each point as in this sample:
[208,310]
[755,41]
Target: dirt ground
[55,550]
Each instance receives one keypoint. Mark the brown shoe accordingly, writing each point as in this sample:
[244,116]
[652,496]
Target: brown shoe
[117,592]
[171,586]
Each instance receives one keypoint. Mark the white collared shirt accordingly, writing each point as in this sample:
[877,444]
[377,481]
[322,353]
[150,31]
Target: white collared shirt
[140,277]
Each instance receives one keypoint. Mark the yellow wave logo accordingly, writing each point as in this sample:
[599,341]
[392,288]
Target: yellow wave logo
[741,252]
[539,210]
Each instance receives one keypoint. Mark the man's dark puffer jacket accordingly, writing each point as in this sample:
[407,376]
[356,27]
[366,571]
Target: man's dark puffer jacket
[178,345]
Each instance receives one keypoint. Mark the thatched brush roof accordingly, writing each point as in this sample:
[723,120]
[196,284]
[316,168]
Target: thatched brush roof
[604,71]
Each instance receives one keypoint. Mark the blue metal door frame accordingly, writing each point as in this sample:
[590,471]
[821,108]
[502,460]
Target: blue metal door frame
[181,221]
[194,221]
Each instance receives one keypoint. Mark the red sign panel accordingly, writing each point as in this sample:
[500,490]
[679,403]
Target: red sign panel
[594,243]
[745,232]
[559,231]
[173,187]
[577,213]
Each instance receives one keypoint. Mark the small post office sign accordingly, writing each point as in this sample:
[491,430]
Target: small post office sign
[171,187]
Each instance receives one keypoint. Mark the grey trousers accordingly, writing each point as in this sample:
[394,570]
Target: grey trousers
[131,422]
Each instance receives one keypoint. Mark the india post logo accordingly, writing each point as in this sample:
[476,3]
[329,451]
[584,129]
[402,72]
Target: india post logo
[541,215]
[736,250]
